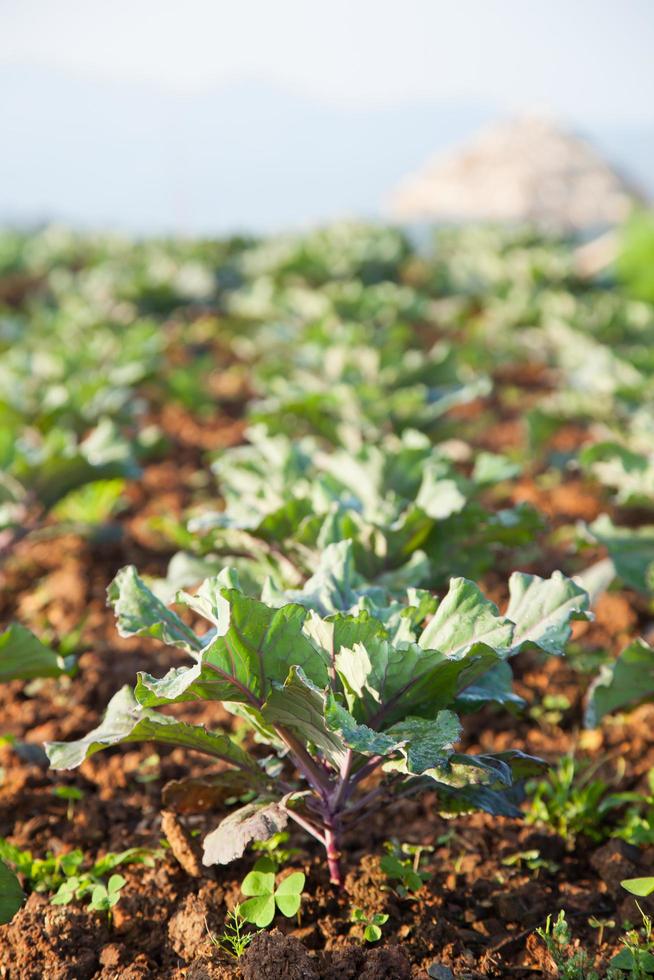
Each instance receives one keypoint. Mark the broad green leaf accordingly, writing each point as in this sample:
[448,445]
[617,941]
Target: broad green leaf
[260,910]
[127,721]
[438,497]
[495,687]
[623,684]
[259,883]
[299,706]
[255,647]
[24,657]
[382,681]
[140,613]
[58,477]
[630,549]
[426,741]
[356,736]
[11,894]
[494,468]
[463,618]
[255,821]
[484,782]
[334,586]
[288,894]
[635,962]
[293,884]
[639,886]
[115,883]
[209,601]
[543,608]
[94,503]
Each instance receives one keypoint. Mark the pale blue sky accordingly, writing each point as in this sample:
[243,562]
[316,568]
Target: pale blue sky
[208,115]
[590,59]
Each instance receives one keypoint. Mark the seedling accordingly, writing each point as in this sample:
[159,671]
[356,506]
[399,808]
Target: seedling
[571,964]
[637,825]
[260,884]
[571,802]
[71,793]
[551,710]
[273,850]
[637,957]
[65,876]
[104,897]
[372,924]
[234,940]
[601,925]
[404,870]
[531,860]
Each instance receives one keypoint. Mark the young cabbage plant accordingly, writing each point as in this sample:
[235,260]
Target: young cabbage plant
[361,688]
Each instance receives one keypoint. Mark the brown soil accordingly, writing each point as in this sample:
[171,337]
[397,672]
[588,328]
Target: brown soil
[473,918]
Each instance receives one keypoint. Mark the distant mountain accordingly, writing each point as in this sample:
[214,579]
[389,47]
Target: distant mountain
[247,156]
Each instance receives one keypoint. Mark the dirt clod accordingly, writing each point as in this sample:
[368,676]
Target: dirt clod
[386,963]
[273,956]
[182,844]
[614,862]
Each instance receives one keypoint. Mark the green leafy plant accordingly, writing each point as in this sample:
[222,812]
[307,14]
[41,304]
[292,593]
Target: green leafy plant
[264,895]
[571,802]
[81,478]
[70,793]
[411,515]
[601,925]
[66,877]
[101,896]
[636,825]
[234,939]
[372,931]
[637,957]
[367,688]
[401,863]
[571,964]
[531,860]
[104,897]
[274,849]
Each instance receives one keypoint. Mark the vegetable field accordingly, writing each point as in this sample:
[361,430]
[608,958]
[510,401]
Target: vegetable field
[327,604]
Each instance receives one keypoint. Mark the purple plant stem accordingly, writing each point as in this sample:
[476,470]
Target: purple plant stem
[333,854]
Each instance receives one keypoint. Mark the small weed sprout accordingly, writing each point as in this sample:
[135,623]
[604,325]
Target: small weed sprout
[104,897]
[372,924]
[274,850]
[530,860]
[569,801]
[570,964]
[70,793]
[637,957]
[234,940]
[405,870]
[66,879]
[601,925]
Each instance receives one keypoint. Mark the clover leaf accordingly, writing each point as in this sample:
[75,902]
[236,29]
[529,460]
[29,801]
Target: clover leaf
[259,909]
